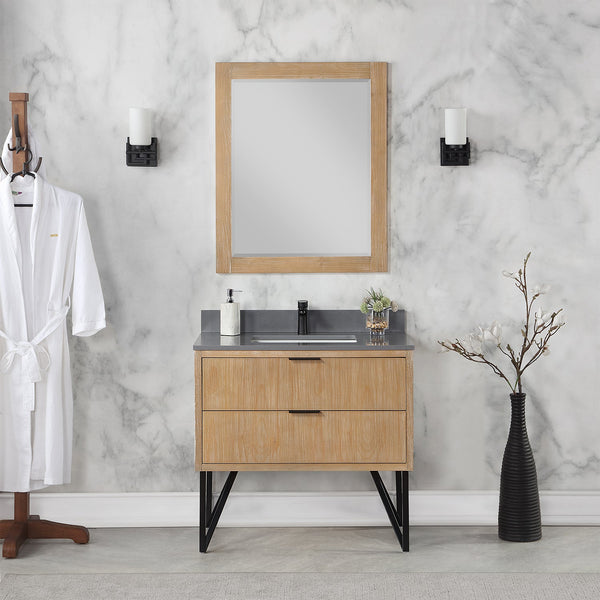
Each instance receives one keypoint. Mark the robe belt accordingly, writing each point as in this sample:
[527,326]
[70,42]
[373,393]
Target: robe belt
[31,353]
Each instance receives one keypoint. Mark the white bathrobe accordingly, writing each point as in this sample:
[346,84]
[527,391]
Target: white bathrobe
[46,266]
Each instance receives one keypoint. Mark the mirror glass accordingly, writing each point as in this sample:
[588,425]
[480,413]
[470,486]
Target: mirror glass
[301,167]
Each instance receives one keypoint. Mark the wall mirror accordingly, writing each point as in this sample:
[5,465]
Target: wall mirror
[301,167]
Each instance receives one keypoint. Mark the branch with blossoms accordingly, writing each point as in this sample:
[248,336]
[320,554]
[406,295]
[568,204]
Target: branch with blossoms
[538,328]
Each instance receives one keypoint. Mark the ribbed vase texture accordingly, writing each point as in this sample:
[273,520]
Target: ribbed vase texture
[519,517]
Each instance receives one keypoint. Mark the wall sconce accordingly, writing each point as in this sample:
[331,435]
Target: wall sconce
[142,148]
[455,149]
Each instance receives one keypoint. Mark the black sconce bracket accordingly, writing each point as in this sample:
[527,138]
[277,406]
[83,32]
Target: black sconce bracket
[454,156]
[142,156]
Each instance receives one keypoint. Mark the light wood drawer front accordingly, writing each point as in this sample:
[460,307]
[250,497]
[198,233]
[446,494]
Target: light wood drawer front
[326,384]
[282,437]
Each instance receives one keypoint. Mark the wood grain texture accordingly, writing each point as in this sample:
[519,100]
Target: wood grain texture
[409,413]
[14,537]
[198,413]
[337,383]
[223,165]
[303,70]
[301,264]
[304,467]
[22,504]
[350,437]
[379,180]
[17,531]
[5,527]
[378,260]
[42,529]
[19,108]
[332,359]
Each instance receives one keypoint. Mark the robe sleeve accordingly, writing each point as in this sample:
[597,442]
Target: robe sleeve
[88,314]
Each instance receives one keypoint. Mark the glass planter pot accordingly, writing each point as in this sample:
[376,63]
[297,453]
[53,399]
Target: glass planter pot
[378,322]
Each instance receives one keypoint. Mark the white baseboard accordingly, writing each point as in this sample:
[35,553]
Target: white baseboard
[296,509]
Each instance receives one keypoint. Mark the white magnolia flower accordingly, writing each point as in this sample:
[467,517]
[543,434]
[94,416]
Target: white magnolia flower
[538,290]
[496,330]
[493,334]
[542,318]
[473,343]
[510,275]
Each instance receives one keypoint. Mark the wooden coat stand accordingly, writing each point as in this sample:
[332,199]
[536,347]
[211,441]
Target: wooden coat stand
[24,525]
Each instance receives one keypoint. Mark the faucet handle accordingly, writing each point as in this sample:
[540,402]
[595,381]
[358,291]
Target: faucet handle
[302,317]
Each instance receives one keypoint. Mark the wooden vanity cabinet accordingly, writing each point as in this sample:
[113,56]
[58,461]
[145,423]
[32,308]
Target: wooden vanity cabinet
[304,410]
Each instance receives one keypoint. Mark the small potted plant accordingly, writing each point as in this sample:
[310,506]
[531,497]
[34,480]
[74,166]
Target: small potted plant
[376,305]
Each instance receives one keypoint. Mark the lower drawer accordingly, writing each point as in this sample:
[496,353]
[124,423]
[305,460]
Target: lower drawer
[282,437]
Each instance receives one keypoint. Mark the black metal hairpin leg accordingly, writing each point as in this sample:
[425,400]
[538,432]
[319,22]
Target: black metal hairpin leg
[209,517]
[398,515]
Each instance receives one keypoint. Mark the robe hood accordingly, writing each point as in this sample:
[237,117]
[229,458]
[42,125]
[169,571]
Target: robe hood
[7,155]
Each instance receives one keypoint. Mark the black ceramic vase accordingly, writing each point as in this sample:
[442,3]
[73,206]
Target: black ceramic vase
[519,517]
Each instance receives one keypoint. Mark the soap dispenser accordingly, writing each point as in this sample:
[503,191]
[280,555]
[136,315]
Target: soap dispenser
[230,315]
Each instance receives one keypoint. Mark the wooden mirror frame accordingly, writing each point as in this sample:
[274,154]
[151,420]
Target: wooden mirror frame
[376,72]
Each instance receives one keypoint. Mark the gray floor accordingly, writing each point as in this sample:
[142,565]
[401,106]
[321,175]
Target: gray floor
[339,549]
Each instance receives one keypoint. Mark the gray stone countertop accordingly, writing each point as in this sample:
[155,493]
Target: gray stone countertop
[255,323]
[393,340]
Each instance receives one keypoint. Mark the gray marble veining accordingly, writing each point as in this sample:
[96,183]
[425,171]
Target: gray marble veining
[526,71]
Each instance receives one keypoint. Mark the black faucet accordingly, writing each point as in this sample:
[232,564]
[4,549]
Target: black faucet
[302,317]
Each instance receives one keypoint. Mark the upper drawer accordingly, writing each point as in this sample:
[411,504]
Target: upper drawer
[332,383]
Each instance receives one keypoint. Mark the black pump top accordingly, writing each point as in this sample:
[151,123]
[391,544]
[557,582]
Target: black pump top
[230,294]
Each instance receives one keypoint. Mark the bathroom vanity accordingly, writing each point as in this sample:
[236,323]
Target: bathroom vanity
[332,400]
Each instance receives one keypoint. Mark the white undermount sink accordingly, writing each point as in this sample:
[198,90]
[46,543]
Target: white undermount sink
[314,338]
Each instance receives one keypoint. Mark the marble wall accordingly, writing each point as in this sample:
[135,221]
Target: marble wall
[528,73]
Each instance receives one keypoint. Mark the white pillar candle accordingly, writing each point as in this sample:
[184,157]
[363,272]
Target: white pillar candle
[140,133]
[456,126]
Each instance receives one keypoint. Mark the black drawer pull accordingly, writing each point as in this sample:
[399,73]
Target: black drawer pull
[303,358]
[304,412]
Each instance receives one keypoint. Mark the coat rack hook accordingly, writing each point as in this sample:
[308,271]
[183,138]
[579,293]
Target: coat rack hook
[21,166]
[18,146]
